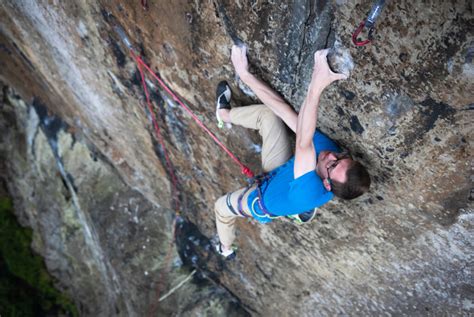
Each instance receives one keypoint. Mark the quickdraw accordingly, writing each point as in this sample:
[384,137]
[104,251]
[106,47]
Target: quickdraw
[369,23]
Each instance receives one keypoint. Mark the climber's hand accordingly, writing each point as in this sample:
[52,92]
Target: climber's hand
[323,76]
[239,59]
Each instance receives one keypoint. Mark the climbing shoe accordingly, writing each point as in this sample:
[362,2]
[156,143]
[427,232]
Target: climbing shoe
[223,95]
[302,218]
[228,255]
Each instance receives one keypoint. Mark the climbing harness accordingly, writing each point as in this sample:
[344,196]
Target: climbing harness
[231,208]
[369,23]
[259,180]
[256,182]
[258,201]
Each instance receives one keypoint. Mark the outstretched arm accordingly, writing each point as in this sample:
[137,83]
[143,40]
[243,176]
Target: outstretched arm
[264,92]
[305,153]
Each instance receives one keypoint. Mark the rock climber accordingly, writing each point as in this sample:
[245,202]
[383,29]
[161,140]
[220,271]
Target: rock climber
[291,186]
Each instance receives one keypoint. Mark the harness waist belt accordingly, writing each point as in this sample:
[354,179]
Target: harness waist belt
[256,205]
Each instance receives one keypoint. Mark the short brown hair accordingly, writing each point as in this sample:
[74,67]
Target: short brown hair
[357,183]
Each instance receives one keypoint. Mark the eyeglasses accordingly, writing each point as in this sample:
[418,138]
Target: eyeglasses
[339,157]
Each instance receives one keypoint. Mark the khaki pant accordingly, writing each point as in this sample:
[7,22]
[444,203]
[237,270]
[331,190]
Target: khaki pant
[276,150]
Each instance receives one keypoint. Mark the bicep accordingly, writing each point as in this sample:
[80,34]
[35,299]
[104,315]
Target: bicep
[305,160]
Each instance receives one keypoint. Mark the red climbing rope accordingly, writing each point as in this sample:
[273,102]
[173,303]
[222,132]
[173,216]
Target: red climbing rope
[174,180]
[245,170]
[174,189]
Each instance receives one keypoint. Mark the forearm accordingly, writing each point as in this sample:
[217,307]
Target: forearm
[322,77]
[305,153]
[271,99]
[308,116]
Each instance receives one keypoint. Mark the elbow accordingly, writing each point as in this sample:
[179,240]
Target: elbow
[302,140]
[302,144]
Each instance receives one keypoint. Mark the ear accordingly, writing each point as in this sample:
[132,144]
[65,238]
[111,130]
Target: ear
[326,184]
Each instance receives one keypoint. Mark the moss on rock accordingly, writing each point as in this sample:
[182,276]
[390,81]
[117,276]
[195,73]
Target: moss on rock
[26,288]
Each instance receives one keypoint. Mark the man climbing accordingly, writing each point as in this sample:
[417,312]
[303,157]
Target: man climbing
[291,186]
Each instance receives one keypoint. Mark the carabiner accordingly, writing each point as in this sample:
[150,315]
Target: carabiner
[369,23]
[357,32]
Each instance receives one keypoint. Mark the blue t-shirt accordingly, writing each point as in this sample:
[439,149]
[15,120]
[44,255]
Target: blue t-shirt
[284,195]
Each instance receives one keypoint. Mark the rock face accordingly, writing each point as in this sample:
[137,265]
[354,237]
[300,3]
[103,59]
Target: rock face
[81,160]
[102,239]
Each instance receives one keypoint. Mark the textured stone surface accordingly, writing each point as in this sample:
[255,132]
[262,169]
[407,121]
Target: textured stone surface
[102,239]
[405,248]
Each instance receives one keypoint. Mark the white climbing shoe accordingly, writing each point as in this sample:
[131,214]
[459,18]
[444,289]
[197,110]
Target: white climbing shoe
[223,95]
[228,255]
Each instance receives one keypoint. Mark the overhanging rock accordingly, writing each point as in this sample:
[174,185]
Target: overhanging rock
[405,248]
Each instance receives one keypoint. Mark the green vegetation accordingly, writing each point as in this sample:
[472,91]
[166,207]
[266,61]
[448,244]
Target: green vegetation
[26,288]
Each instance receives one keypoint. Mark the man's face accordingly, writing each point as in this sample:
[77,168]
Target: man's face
[330,167]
